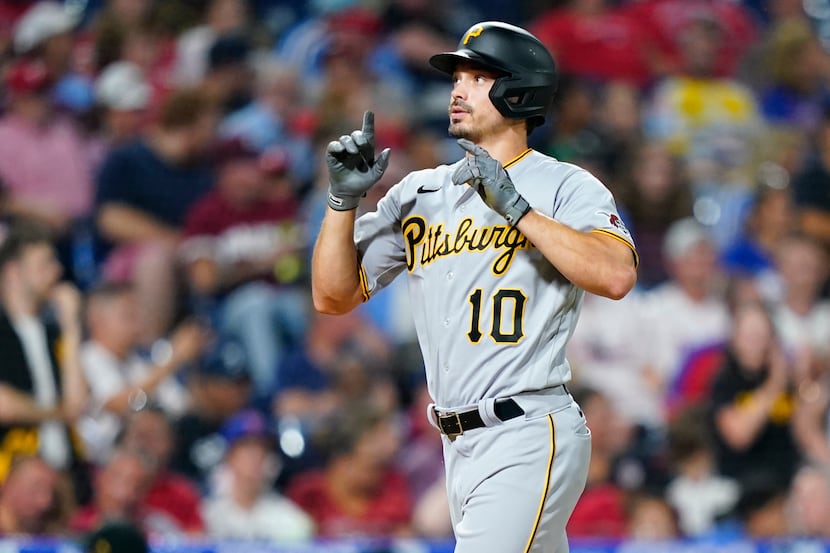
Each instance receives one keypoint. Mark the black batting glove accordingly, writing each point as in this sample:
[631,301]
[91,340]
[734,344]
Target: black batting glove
[352,166]
[487,176]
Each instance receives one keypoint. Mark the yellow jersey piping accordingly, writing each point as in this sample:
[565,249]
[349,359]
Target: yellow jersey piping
[624,241]
[518,158]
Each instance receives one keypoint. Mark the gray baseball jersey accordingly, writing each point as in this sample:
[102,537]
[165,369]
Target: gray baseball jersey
[492,314]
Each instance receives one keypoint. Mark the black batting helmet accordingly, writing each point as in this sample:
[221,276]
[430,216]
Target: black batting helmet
[526,89]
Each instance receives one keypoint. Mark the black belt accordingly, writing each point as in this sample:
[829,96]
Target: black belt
[454,424]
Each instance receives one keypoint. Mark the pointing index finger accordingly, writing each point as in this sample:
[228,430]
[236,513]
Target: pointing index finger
[369,126]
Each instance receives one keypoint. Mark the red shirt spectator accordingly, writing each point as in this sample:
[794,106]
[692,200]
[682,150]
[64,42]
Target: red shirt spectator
[663,21]
[607,45]
[359,492]
[383,514]
[178,498]
[599,513]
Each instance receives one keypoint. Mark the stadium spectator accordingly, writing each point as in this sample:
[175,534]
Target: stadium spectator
[171,498]
[228,78]
[603,359]
[245,509]
[653,195]
[574,138]
[770,219]
[420,461]
[145,189]
[812,188]
[29,500]
[242,247]
[752,403]
[761,509]
[123,94]
[712,122]
[697,492]
[666,20]
[650,518]
[120,536]
[808,503]
[332,368]
[119,379]
[349,84]
[45,32]
[358,493]
[132,31]
[593,39]
[687,312]
[272,118]
[219,386]
[797,67]
[44,162]
[802,317]
[222,18]
[600,511]
[41,382]
[120,488]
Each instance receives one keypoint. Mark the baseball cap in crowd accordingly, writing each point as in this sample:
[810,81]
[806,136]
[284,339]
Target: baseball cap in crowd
[246,424]
[41,22]
[116,537]
[228,50]
[232,149]
[122,86]
[226,359]
[275,161]
[27,76]
[682,236]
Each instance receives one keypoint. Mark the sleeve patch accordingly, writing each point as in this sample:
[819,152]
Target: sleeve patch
[616,222]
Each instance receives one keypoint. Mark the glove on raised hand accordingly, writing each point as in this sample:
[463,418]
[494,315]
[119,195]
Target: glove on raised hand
[491,181]
[352,166]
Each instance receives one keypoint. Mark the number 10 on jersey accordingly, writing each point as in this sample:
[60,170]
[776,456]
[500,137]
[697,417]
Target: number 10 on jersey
[503,300]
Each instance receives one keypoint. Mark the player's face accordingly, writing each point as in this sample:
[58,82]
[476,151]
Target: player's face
[472,115]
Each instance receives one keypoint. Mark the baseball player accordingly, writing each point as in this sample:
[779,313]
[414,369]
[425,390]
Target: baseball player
[498,249]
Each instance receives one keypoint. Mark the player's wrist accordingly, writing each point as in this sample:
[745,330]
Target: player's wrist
[342,202]
[517,209]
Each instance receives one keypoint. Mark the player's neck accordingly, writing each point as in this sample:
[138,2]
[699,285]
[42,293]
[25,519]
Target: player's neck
[506,146]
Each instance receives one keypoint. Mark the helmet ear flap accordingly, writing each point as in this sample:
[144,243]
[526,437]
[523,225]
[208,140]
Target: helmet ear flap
[522,97]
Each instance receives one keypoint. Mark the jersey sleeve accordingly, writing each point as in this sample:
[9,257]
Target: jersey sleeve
[585,204]
[379,243]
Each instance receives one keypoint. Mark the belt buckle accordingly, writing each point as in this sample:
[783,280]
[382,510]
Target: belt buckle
[450,424]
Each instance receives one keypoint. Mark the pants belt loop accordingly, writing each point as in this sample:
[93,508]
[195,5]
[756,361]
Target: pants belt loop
[487,411]
[431,416]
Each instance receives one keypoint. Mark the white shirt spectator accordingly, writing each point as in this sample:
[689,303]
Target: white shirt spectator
[700,501]
[107,375]
[804,333]
[273,518]
[606,353]
[676,325]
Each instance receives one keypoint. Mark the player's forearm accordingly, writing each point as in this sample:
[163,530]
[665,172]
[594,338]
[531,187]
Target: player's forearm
[596,263]
[335,280]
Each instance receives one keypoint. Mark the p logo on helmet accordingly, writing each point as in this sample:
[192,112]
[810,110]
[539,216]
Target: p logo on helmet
[472,33]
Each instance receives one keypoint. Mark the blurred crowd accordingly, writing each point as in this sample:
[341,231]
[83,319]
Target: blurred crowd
[161,186]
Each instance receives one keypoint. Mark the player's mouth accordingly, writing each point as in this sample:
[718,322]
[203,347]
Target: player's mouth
[457,112]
